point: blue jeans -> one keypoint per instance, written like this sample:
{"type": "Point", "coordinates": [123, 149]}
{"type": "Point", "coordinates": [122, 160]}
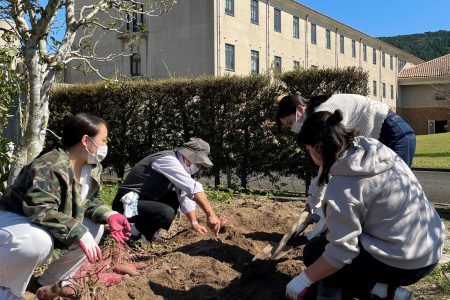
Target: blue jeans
{"type": "Point", "coordinates": [399, 136]}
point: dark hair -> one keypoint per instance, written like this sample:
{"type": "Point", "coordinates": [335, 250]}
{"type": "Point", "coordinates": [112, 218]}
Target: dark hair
{"type": "Point", "coordinates": [79, 125]}
{"type": "Point", "coordinates": [325, 130]}
{"type": "Point", "coordinates": [288, 105]}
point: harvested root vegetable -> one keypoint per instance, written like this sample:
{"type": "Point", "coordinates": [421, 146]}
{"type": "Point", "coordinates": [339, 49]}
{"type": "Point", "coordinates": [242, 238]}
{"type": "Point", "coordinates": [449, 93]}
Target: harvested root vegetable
{"type": "Point", "coordinates": [110, 279]}
{"type": "Point", "coordinates": [139, 265]}
{"type": "Point", "coordinates": [124, 269]}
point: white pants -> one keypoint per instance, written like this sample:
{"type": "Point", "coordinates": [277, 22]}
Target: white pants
{"type": "Point", "coordinates": [25, 246]}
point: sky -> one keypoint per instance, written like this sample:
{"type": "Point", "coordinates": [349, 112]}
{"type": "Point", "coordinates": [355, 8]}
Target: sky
{"type": "Point", "coordinates": [386, 17]}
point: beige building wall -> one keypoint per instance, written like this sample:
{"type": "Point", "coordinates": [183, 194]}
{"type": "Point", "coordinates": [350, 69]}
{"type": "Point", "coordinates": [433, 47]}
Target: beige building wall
{"type": "Point", "coordinates": [191, 41]}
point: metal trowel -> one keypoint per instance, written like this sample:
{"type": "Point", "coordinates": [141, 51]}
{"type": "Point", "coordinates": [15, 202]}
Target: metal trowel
{"type": "Point", "coordinates": [276, 251]}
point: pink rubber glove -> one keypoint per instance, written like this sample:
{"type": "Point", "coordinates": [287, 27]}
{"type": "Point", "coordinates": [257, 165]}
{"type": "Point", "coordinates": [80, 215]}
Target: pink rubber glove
{"type": "Point", "coordinates": [90, 247]}
{"type": "Point", "coordinates": [297, 287]}
{"type": "Point", "coordinates": [119, 227]}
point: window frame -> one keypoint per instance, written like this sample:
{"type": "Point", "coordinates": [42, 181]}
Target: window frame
{"type": "Point", "coordinates": [276, 19]}
{"type": "Point", "coordinates": [279, 68]}
{"type": "Point", "coordinates": [341, 44]}
{"type": "Point", "coordinates": [374, 92]}
{"type": "Point", "coordinates": [135, 64]}
{"type": "Point", "coordinates": [295, 27]}
{"type": "Point", "coordinates": [353, 48]}
{"type": "Point", "coordinates": [233, 58]}
{"type": "Point", "coordinates": [229, 10]}
{"type": "Point", "coordinates": [313, 34]}
{"type": "Point", "coordinates": [328, 38]}
{"type": "Point", "coordinates": [254, 12]}
{"type": "Point", "coordinates": [365, 53]}
{"type": "Point", "coordinates": [251, 62]}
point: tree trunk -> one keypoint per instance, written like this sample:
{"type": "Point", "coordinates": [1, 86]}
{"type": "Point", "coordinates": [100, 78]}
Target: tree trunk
{"type": "Point", "coordinates": [32, 141]}
{"type": "Point", "coordinates": [229, 184]}
{"type": "Point", "coordinates": [216, 177]}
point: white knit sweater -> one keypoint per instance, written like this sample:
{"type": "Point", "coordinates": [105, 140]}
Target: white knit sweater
{"type": "Point", "coordinates": [359, 112]}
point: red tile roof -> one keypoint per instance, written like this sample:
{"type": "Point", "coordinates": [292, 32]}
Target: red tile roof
{"type": "Point", "coordinates": [438, 67]}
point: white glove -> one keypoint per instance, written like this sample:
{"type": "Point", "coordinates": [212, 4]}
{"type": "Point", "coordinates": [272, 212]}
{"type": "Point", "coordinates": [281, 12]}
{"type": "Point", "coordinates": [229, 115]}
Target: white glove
{"type": "Point", "coordinates": [89, 246]}
{"type": "Point", "coordinates": [130, 202]}
{"type": "Point", "coordinates": [297, 287]}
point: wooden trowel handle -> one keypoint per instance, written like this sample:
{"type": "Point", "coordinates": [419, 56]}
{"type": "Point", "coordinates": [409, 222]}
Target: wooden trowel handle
{"type": "Point", "coordinates": [286, 237]}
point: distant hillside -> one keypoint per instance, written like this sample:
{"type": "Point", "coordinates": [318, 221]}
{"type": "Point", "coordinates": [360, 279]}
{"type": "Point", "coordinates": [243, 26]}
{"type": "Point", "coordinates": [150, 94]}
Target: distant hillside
{"type": "Point", "coordinates": [426, 45]}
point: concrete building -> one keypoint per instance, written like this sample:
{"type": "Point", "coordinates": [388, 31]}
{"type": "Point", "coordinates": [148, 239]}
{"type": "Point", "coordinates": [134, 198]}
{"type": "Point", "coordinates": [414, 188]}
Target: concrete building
{"type": "Point", "coordinates": [424, 95]}
{"type": "Point", "coordinates": [218, 37]}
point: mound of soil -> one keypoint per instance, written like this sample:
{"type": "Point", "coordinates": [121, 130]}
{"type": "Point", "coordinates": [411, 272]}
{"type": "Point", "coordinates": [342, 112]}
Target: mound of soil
{"type": "Point", "coordinates": [193, 266]}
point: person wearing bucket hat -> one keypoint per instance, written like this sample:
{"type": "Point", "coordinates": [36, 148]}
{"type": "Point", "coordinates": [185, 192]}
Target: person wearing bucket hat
{"type": "Point", "coordinates": [161, 184]}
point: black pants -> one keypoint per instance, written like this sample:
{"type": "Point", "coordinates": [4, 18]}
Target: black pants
{"type": "Point", "coordinates": [361, 275]}
{"type": "Point", "coordinates": [152, 214]}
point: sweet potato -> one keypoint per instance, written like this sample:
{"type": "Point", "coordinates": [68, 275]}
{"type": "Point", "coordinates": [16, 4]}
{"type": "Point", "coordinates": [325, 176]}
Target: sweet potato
{"type": "Point", "coordinates": [110, 279]}
{"type": "Point", "coordinates": [140, 265]}
{"type": "Point", "coordinates": [124, 269]}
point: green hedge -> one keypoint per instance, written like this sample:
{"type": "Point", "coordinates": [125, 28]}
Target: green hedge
{"type": "Point", "coordinates": [235, 114]}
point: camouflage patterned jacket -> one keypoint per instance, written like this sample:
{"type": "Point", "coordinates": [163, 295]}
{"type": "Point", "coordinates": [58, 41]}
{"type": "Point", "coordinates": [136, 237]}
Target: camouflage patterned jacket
{"type": "Point", "coordinates": [47, 193]}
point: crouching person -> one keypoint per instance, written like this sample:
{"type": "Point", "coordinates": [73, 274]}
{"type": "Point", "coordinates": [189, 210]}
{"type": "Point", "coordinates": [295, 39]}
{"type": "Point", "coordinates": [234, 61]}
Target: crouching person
{"type": "Point", "coordinates": [54, 203]}
{"type": "Point", "coordinates": [160, 184]}
{"type": "Point", "coordinates": [381, 232]}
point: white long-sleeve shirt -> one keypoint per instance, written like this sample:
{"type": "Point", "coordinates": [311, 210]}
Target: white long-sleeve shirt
{"type": "Point", "coordinates": [186, 187]}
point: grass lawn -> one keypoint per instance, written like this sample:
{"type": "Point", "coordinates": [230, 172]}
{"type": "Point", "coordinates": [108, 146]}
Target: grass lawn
{"type": "Point", "coordinates": [433, 151]}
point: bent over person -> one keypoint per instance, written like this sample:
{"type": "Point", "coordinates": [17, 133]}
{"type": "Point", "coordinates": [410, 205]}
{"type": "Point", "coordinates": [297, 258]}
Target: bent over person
{"type": "Point", "coordinates": [381, 231]}
{"type": "Point", "coordinates": [160, 184]}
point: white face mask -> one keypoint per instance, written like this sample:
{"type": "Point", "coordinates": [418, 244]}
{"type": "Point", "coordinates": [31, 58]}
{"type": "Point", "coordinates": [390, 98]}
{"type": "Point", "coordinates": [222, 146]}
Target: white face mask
{"type": "Point", "coordinates": [102, 151]}
{"type": "Point", "coordinates": [299, 119]}
{"type": "Point", "coordinates": [193, 169]}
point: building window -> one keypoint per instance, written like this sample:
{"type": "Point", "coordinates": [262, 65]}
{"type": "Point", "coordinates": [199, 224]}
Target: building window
{"type": "Point", "coordinates": [341, 44]}
{"type": "Point", "coordinates": [255, 62]}
{"type": "Point", "coordinates": [374, 87]}
{"type": "Point", "coordinates": [328, 39]}
{"type": "Point", "coordinates": [384, 90]}
{"type": "Point", "coordinates": [254, 11]}
{"type": "Point", "coordinates": [391, 63]}
{"type": "Point", "coordinates": [229, 7]}
{"type": "Point", "coordinates": [135, 64]}
{"type": "Point", "coordinates": [364, 52]}
{"type": "Point", "coordinates": [135, 21]}
{"type": "Point", "coordinates": [229, 57]}
{"type": "Point", "coordinates": [392, 91]}
{"type": "Point", "coordinates": [401, 64]}
{"type": "Point", "coordinates": [440, 96]}
{"type": "Point", "coordinates": [353, 48]}
{"type": "Point", "coordinates": [374, 56]}
{"type": "Point", "coordinates": [296, 65]}
{"type": "Point", "coordinates": [277, 63]}
{"type": "Point", "coordinates": [295, 28]}
{"type": "Point", "coordinates": [313, 34]}
{"type": "Point", "coordinates": [277, 20]}
{"type": "Point", "coordinates": [383, 60]}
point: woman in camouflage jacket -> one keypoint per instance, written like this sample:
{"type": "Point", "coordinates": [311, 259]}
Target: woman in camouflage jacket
{"type": "Point", "coordinates": [46, 207]}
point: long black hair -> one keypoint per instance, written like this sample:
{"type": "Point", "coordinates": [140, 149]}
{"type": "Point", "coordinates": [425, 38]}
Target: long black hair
{"type": "Point", "coordinates": [288, 105]}
{"type": "Point", "coordinates": [79, 125]}
{"type": "Point", "coordinates": [325, 131]}
{"type": "Point", "coordinates": [73, 130]}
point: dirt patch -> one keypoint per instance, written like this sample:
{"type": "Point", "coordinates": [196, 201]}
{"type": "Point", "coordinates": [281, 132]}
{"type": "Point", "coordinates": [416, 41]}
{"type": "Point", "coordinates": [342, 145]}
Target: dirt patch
{"type": "Point", "coordinates": [192, 266]}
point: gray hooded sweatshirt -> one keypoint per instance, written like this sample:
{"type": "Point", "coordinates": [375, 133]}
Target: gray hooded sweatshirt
{"type": "Point", "coordinates": [374, 200]}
